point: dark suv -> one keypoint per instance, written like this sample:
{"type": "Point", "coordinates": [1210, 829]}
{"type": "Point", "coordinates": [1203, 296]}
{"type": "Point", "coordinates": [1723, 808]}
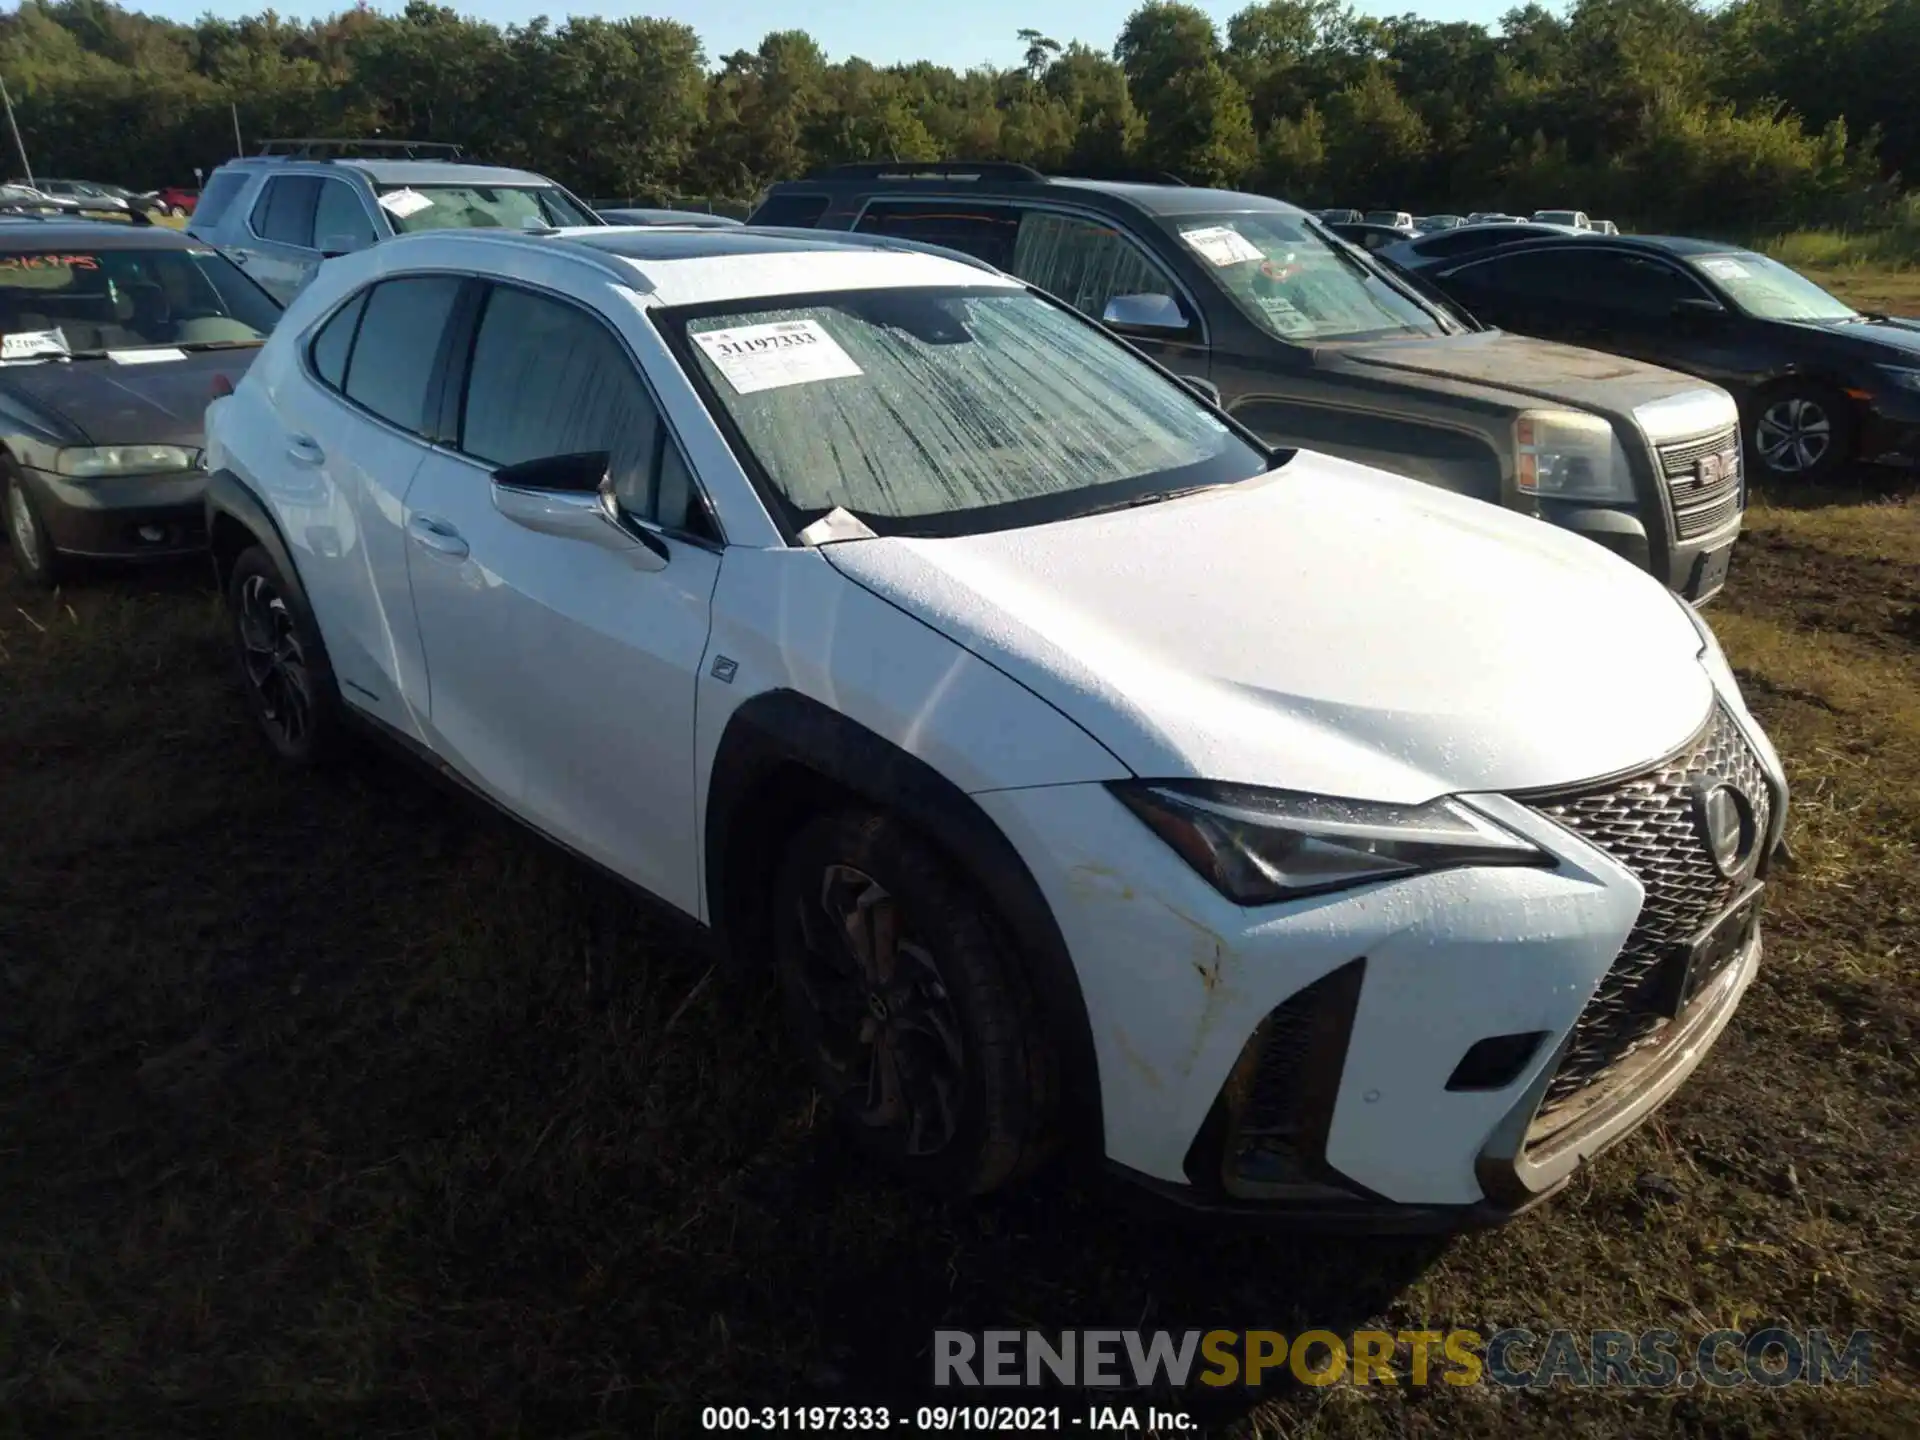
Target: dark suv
{"type": "Point", "coordinates": [1311, 343]}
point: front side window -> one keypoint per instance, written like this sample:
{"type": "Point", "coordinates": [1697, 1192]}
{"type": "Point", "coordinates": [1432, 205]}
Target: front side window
{"type": "Point", "coordinates": [390, 371]}
{"type": "Point", "coordinates": [87, 301]}
{"type": "Point", "coordinates": [1768, 290]}
{"type": "Point", "coordinates": [548, 379]}
{"type": "Point", "coordinates": [1293, 284]}
{"type": "Point", "coordinates": [1082, 262]}
{"type": "Point", "coordinates": [284, 212]}
{"type": "Point", "coordinates": [947, 411]}
{"type": "Point", "coordinates": [480, 207]}
{"type": "Point", "coordinates": [339, 219]}
{"type": "Point", "coordinates": [1542, 275]}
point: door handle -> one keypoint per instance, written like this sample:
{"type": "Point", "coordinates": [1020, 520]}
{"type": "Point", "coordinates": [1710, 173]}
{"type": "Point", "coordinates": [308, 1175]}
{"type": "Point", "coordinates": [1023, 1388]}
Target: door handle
{"type": "Point", "coordinates": [305, 450]}
{"type": "Point", "coordinates": [436, 535]}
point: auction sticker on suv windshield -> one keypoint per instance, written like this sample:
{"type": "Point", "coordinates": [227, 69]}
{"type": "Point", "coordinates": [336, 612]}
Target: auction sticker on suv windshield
{"type": "Point", "coordinates": [25, 344]}
{"type": "Point", "coordinates": [1222, 245]}
{"type": "Point", "coordinates": [404, 202]}
{"type": "Point", "coordinates": [771, 357]}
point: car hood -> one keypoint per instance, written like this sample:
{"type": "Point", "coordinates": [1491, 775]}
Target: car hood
{"type": "Point", "coordinates": [1897, 340]}
{"type": "Point", "coordinates": [1326, 627]}
{"type": "Point", "coordinates": [1540, 369]}
{"type": "Point", "coordinates": [161, 402]}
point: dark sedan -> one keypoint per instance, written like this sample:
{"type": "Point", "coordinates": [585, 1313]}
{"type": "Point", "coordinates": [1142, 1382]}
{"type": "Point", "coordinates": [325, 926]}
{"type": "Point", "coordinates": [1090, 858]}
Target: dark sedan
{"type": "Point", "coordinates": [1819, 383]}
{"type": "Point", "coordinates": [112, 339]}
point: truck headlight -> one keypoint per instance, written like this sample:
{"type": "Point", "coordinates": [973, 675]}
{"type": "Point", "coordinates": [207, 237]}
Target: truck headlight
{"type": "Point", "coordinates": [1258, 847]}
{"type": "Point", "coordinates": [1570, 455]}
{"type": "Point", "coordinates": [86, 462]}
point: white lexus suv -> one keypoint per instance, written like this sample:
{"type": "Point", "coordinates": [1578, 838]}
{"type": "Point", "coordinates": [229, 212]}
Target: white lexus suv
{"type": "Point", "coordinates": [1297, 837]}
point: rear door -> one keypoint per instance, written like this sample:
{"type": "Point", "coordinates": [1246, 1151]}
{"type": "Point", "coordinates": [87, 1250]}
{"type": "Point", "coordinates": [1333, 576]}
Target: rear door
{"type": "Point", "coordinates": [277, 246]}
{"type": "Point", "coordinates": [563, 659]}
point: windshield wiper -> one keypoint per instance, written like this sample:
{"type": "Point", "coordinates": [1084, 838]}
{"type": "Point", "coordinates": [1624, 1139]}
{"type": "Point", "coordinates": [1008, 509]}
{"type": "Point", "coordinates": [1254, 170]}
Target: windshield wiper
{"type": "Point", "coordinates": [1152, 497]}
{"type": "Point", "coordinates": [196, 346]}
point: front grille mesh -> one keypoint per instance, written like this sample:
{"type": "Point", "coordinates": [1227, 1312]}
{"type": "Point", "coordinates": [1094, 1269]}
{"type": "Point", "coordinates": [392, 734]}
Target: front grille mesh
{"type": "Point", "coordinates": [1701, 508]}
{"type": "Point", "coordinates": [1647, 824]}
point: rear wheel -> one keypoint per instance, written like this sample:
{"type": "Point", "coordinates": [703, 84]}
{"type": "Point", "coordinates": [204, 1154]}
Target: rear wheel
{"type": "Point", "coordinates": [1800, 431]}
{"type": "Point", "coordinates": [33, 553]}
{"type": "Point", "coordinates": [911, 1006]}
{"type": "Point", "coordinates": [289, 683]}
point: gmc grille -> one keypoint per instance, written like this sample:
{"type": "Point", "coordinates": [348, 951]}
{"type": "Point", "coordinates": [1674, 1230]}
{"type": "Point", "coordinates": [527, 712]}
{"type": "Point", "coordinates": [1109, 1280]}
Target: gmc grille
{"type": "Point", "coordinates": [1647, 824]}
{"type": "Point", "coordinates": [1703, 482]}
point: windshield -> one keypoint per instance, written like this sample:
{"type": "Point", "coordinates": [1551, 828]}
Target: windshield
{"type": "Point", "coordinates": [1292, 283]}
{"type": "Point", "coordinates": [66, 301]}
{"type": "Point", "coordinates": [475, 207]}
{"type": "Point", "coordinates": [946, 411]}
{"type": "Point", "coordinates": [1768, 290]}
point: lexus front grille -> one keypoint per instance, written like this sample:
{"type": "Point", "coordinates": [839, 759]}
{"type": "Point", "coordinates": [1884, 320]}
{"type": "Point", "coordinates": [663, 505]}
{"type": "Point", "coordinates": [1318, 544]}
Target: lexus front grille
{"type": "Point", "coordinates": [1647, 823]}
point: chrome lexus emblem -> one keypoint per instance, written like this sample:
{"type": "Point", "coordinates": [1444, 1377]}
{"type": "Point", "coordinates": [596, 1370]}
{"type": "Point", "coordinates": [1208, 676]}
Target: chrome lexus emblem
{"type": "Point", "coordinates": [1726, 821]}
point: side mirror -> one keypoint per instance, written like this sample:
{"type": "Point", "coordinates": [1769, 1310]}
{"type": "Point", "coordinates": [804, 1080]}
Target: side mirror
{"type": "Point", "coordinates": [1697, 307]}
{"type": "Point", "coordinates": [579, 474]}
{"type": "Point", "coordinates": [572, 496]}
{"type": "Point", "coordinates": [332, 246]}
{"type": "Point", "coordinates": [1144, 312]}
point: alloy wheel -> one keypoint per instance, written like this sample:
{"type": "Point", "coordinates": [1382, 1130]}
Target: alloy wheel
{"type": "Point", "coordinates": [26, 540]}
{"type": "Point", "coordinates": [1793, 435]}
{"type": "Point", "coordinates": [888, 1027]}
{"type": "Point", "coordinates": [274, 662]}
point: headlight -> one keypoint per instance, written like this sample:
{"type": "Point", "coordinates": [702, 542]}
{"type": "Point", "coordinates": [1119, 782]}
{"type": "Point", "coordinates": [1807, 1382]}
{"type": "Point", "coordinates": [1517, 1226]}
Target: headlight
{"type": "Point", "coordinates": [87, 462]}
{"type": "Point", "coordinates": [1903, 379]}
{"type": "Point", "coordinates": [1257, 847]}
{"type": "Point", "coordinates": [1569, 455]}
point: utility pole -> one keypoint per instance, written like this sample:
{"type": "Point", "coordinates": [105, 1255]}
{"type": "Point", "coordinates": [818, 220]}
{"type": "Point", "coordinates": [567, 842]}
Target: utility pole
{"type": "Point", "coordinates": [239, 150]}
{"type": "Point", "coordinates": [18, 145]}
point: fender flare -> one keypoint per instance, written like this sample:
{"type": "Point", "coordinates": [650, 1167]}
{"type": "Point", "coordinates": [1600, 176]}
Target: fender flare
{"type": "Point", "coordinates": [781, 732]}
{"type": "Point", "coordinates": [228, 497]}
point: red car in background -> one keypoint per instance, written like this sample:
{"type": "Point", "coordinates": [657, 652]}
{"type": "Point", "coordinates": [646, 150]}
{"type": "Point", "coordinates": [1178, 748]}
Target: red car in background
{"type": "Point", "coordinates": [176, 199]}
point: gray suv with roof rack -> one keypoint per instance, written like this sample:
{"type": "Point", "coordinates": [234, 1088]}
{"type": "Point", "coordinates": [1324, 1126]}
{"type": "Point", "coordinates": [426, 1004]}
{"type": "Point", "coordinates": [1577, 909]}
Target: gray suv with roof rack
{"type": "Point", "coordinates": [279, 213]}
{"type": "Point", "coordinates": [1311, 343]}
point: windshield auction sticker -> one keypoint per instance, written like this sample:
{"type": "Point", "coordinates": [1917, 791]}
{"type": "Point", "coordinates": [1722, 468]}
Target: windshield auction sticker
{"type": "Point", "coordinates": [404, 202]}
{"type": "Point", "coordinates": [26, 344]}
{"type": "Point", "coordinates": [1222, 245]}
{"type": "Point", "coordinates": [772, 357]}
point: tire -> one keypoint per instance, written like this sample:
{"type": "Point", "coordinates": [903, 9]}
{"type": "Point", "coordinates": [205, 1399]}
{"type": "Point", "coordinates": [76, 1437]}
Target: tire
{"type": "Point", "coordinates": [950, 1020]}
{"type": "Point", "coordinates": [283, 665]}
{"type": "Point", "coordinates": [33, 553]}
{"type": "Point", "coordinates": [1800, 432]}
{"type": "Point", "coordinates": [177, 211]}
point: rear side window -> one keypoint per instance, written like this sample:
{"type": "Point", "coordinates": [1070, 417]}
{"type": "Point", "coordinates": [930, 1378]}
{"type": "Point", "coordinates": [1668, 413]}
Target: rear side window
{"type": "Point", "coordinates": [1465, 242]}
{"type": "Point", "coordinates": [335, 341]}
{"type": "Point", "coordinates": [390, 370]}
{"type": "Point", "coordinates": [1540, 275]}
{"type": "Point", "coordinates": [987, 232]}
{"type": "Point", "coordinates": [223, 188]}
{"type": "Point", "coordinates": [284, 211]}
{"type": "Point", "coordinates": [798, 210]}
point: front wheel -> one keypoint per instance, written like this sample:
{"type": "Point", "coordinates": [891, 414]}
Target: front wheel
{"type": "Point", "coordinates": [283, 666]}
{"type": "Point", "coordinates": [1800, 431]}
{"type": "Point", "coordinates": [33, 553]}
{"type": "Point", "coordinates": [911, 1006]}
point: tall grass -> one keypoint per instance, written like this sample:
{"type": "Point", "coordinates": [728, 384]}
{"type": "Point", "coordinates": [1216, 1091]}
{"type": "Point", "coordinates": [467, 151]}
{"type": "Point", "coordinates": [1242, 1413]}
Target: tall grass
{"type": "Point", "coordinates": [1892, 246]}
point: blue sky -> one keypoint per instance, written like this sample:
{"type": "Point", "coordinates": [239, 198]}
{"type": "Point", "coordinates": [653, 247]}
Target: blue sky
{"type": "Point", "coordinates": [971, 33]}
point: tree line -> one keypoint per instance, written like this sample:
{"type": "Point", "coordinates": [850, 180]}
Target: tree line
{"type": "Point", "coordinates": [1653, 112]}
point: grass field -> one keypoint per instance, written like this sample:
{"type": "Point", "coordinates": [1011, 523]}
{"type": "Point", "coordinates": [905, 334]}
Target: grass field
{"type": "Point", "coordinates": [344, 1101]}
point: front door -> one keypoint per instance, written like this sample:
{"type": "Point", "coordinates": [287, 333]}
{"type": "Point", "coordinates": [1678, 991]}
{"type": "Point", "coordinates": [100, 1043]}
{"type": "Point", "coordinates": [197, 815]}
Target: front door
{"type": "Point", "coordinates": [562, 665]}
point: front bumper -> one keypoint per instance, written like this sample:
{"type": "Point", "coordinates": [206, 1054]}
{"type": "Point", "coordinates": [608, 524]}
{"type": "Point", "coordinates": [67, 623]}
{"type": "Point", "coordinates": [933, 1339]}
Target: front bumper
{"type": "Point", "coordinates": [123, 516]}
{"type": "Point", "coordinates": [1415, 977]}
{"type": "Point", "coordinates": [1890, 430]}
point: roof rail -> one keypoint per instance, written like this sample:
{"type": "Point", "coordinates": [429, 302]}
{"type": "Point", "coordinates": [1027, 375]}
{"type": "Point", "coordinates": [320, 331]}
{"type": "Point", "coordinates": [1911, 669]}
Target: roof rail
{"type": "Point", "coordinates": [930, 170]}
{"type": "Point", "coordinates": [335, 149]}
